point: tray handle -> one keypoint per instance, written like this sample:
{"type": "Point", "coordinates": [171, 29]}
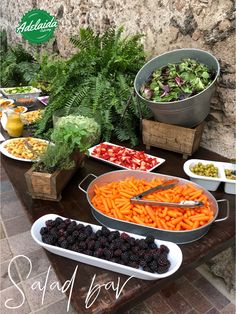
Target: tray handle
{"type": "Point", "coordinates": [227, 213]}
{"type": "Point", "coordinates": [88, 175]}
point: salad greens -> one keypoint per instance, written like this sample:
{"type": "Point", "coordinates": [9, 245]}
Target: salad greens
{"type": "Point", "coordinates": [175, 82]}
{"type": "Point", "coordinates": [20, 90]}
{"type": "Point", "coordinates": [77, 132]}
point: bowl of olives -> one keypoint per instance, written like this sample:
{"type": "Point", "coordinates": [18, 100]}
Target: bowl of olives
{"type": "Point", "coordinates": [210, 174]}
{"type": "Point", "coordinates": [204, 172]}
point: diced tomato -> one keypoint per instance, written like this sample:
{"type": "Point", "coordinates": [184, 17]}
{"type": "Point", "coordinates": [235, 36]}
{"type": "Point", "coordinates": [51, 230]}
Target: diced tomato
{"type": "Point", "coordinates": [132, 159]}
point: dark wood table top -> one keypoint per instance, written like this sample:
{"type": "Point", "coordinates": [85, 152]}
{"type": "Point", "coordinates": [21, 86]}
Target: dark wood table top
{"type": "Point", "coordinates": [74, 205]}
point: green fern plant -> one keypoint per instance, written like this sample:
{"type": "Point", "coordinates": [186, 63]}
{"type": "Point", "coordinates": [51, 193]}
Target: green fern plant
{"type": "Point", "coordinates": [97, 81]}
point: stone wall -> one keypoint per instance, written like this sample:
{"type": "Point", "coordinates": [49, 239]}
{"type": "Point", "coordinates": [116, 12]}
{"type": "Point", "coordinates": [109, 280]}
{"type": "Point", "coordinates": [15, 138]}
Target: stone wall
{"type": "Point", "coordinates": [167, 24]}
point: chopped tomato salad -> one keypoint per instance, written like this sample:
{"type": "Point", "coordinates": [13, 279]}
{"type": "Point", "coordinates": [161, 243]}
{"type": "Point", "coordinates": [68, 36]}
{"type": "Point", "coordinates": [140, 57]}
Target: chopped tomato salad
{"type": "Point", "coordinates": [126, 157]}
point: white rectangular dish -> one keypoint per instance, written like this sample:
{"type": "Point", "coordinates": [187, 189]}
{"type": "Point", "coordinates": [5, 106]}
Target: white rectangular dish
{"type": "Point", "coordinates": [211, 183]}
{"type": "Point", "coordinates": [175, 254]}
{"type": "Point", "coordinates": [158, 159]}
{"type": "Point", "coordinates": [35, 92]}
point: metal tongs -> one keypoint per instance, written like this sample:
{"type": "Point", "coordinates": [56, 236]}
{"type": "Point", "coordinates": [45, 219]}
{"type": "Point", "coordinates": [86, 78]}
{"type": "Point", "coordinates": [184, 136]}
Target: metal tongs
{"type": "Point", "coordinates": [165, 186]}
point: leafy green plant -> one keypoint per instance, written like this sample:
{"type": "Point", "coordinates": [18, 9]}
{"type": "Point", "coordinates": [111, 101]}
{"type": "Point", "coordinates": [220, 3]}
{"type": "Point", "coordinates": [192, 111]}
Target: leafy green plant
{"type": "Point", "coordinates": [97, 81]}
{"type": "Point", "coordinates": [56, 157]}
{"type": "Point", "coordinates": [177, 81]}
{"type": "Point", "coordinates": [18, 67]}
{"type": "Point", "coordinates": [70, 134]}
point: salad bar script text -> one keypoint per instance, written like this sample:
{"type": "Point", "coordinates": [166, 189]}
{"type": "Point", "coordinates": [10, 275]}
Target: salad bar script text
{"type": "Point", "coordinates": [91, 297]}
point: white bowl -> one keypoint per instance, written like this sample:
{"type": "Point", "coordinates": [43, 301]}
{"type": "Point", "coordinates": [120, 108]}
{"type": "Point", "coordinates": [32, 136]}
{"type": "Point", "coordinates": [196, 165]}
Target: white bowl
{"type": "Point", "coordinates": [230, 185]}
{"type": "Point", "coordinates": [175, 255]}
{"type": "Point", "coordinates": [209, 183]}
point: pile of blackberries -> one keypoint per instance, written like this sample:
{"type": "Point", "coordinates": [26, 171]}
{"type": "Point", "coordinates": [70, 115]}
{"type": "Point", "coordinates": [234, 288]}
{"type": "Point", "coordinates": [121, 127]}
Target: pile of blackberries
{"type": "Point", "coordinates": [109, 245]}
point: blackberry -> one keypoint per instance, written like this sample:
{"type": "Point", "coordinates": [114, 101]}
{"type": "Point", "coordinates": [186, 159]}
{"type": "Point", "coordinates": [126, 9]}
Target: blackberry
{"type": "Point", "coordinates": [148, 257]}
{"type": "Point", "coordinates": [43, 230]}
{"type": "Point", "coordinates": [143, 263]}
{"type": "Point", "coordinates": [99, 233]}
{"type": "Point", "coordinates": [117, 243]}
{"type": "Point", "coordinates": [141, 253]}
{"type": "Point", "coordinates": [103, 241]}
{"type": "Point", "coordinates": [146, 268]}
{"type": "Point", "coordinates": [134, 258]}
{"type": "Point", "coordinates": [79, 227]}
{"type": "Point", "coordinates": [133, 264]}
{"type": "Point", "coordinates": [150, 239]}
{"type": "Point", "coordinates": [61, 239]}
{"type": "Point", "coordinates": [113, 235]}
{"type": "Point", "coordinates": [131, 241]}
{"type": "Point", "coordinates": [93, 236]}
{"type": "Point", "coordinates": [163, 269]}
{"type": "Point", "coordinates": [50, 239]}
{"type": "Point", "coordinates": [117, 253]}
{"type": "Point", "coordinates": [58, 221]}
{"type": "Point", "coordinates": [61, 232]}
{"type": "Point", "coordinates": [112, 246]}
{"type": "Point", "coordinates": [98, 253]}
{"type": "Point", "coordinates": [152, 246]}
{"type": "Point", "coordinates": [164, 248]}
{"type": "Point", "coordinates": [61, 226]}
{"type": "Point", "coordinates": [71, 239]}
{"type": "Point", "coordinates": [142, 244]}
{"type": "Point", "coordinates": [89, 252]}
{"type": "Point", "coordinates": [135, 249]}
{"type": "Point", "coordinates": [105, 231]}
{"type": "Point", "coordinates": [88, 230]}
{"type": "Point", "coordinates": [67, 221]}
{"type": "Point", "coordinates": [154, 266]}
{"type": "Point", "coordinates": [124, 248]}
{"type": "Point", "coordinates": [75, 247]}
{"type": "Point", "coordinates": [107, 253]}
{"type": "Point", "coordinates": [124, 236]}
{"type": "Point", "coordinates": [91, 244]}
{"type": "Point", "coordinates": [162, 261]}
{"type": "Point", "coordinates": [49, 223]}
{"type": "Point", "coordinates": [75, 234]}
{"type": "Point", "coordinates": [82, 236]}
{"type": "Point", "coordinates": [125, 257]}
{"type": "Point", "coordinates": [82, 245]}
{"type": "Point", "coordinates": [64, 244]}
{"type": "Point", "coordinates": [97, 245]}
{"type": "Point", "coordinates": [53, 231]}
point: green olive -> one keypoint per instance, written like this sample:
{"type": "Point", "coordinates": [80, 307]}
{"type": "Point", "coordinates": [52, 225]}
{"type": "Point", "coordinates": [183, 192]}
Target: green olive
{"type": "Point", "coordinates": [208, 170]}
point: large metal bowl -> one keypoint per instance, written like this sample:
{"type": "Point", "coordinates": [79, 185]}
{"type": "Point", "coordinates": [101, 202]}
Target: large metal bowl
{"type": "Point", "coordinates": [178, 237]}
{"type": "Point", "coordinates": [190, 111]}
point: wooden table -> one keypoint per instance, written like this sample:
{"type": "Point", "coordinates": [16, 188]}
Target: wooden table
{"type": "Point", "coordinates": [74, 205]}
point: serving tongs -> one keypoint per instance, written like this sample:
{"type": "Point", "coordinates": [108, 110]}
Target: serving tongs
{"type": "Point", "coordinates": [164, 186]}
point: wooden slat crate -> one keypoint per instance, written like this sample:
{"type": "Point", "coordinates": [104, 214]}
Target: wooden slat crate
{"type": "Point", "coordinates": [49, 186]}
{"type": "Point", "coordinates": [172, 137]}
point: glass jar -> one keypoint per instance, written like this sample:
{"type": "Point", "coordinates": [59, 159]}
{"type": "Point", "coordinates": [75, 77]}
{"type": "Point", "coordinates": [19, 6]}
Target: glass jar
{"type": "Point", "coordinates": [14, 124]}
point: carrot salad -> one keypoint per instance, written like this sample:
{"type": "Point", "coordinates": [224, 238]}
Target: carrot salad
{"type": "Point", "coordinates": [113, 200]}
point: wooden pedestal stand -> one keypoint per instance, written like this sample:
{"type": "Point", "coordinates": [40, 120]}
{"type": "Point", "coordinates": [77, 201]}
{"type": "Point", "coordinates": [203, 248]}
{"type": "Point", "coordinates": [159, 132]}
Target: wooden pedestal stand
{"type": "Point", "coordinates": [172, 137]}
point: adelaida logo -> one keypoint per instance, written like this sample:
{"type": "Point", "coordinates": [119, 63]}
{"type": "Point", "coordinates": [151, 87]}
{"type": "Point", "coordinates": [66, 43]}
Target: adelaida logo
{"type": "Point", "coordinates": [37, 26]}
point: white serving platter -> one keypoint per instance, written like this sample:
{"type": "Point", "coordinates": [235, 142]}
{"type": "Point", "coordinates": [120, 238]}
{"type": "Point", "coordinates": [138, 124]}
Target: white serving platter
{"type": "Point", "coordinates": [211, 183]}
{"type": "Point", "coordinates": [159, 160]}
{"type": "Point", "coordinates": [6, 153]}
{"type": "Point", "coordinates": [175, 254]}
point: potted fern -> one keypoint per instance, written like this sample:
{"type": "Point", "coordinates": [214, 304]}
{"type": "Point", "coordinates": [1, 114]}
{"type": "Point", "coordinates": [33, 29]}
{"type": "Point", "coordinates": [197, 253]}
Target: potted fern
{"type": "Point", "coordinates": [71, 137]}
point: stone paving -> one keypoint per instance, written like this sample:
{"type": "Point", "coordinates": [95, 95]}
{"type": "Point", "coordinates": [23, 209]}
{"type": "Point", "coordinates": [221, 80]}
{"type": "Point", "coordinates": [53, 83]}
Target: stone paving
{"type": "Point", "coordinates": [190, 294]}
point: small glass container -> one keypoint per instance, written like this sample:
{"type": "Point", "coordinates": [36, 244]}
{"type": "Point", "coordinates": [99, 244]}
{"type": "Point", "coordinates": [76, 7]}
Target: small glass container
{"type": "Point", "coordinates": [14, 124]}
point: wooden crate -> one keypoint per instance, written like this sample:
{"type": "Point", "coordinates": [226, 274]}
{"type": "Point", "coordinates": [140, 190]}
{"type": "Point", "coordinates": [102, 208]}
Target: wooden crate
{"type": "Point", "coordinates": [49, 186]}
{"type": "Point", "coordinates": [172, 137]}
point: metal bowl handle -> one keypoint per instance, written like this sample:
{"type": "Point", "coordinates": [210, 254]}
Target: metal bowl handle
{"type": "Point", "coordinates": [88, 175]}
{"type": "Point", "coordinates": [227, 207]}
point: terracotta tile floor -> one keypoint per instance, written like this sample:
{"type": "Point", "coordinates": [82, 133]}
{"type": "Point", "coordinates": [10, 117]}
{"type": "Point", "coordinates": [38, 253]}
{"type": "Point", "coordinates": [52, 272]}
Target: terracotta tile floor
{"type": "Point", "coordinates": [190, 294]}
